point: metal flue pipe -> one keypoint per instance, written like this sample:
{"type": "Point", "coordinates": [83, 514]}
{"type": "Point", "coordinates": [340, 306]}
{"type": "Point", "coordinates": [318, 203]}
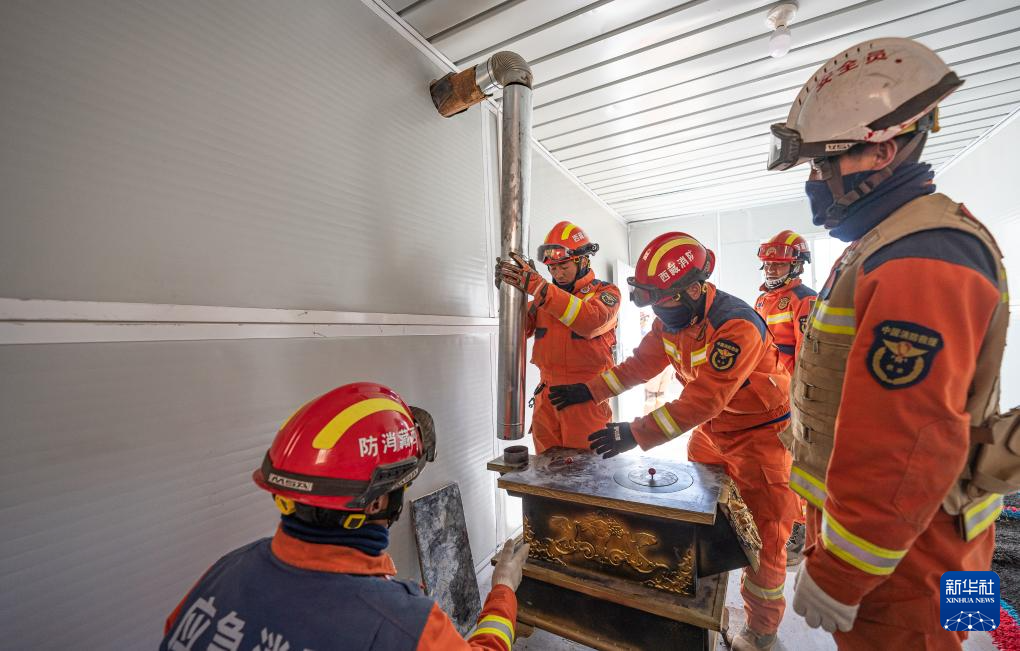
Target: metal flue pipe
{"type": "Point", "coordinates": [452, 94]}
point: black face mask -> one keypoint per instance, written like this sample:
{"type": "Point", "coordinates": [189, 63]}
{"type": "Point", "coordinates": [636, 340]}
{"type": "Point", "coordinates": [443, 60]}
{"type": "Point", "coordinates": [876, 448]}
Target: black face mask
{"type": "Point", "coordinates": [909, 181]}
{"type": "Point", "coordinates": [674, 318]}
{"type": "Point", "coordinates": [681, 316]}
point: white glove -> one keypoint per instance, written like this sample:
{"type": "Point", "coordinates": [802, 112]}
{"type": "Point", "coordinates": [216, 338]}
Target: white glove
{"type": "Point", "coordinates": [818, 608]}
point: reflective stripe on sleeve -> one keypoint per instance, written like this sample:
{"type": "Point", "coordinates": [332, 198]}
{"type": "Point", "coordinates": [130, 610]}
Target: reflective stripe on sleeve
{"type": "Point", "coordinates": [834, 320]}
{"type": "Point", "coordinates": [865, 556]}
{"type": "Point", "coordinates": [810, 488]}
{"type": "Point", "coordinates": [781, 317]}
{"type": "Point", "coordinates": [671, 350]}
{"type": "Point", "coordinates": [981, 516]}
{"type": "Point", "coordinates": [613, 382]}
{"type": "Point", "coordinates": [768, 594]}
{"type": "Point", "coordinates": [571, 312]}
{"type": "Point", "coordinates": [666, 423]}
{"type": "Point", "coordinates": [698, 356]}
{"type": "Point", "coordinates": [498, 626]}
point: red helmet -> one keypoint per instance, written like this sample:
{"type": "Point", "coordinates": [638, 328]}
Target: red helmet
{"type": "Point", "coordinates": [787, 246]}
{"type": "Point", "coordinates": [347, 447]}
{"type": "Point", "coordinates": [668, 265]}
{"type": "Point", "coordinates": [565, 242]}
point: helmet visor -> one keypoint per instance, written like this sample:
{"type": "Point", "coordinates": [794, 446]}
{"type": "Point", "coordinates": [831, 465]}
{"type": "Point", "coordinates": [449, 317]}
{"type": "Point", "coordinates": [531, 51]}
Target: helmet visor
{"type": "Point", "coordinates": [551, 253]}
{"type": "Point", "coordinates": [772, 252]}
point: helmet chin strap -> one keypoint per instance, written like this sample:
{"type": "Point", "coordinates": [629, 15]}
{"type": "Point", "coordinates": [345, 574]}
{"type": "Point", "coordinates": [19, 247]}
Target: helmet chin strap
{"type": "Point", "coordinates": [583, 264]}
{"type": "Point", "coordinates": [839, 209]}
{"type": "Point", "coordinates": [695, 305]}
{"type": "Point", "coordinates": [796, 269]}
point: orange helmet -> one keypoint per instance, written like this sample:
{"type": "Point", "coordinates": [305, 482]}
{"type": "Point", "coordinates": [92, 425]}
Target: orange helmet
{"type": "Point", "coordinates": [345, 448]}
{"type": "Point", "coordinates": [787, 246]}
{"type": "Point", "coordinates": [566, 241]}
{"type": "Point", "coordinates": [667, 266]}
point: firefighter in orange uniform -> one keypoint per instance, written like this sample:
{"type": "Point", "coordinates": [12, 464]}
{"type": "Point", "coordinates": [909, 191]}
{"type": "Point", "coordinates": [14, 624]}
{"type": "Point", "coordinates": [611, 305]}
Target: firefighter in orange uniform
{"type": "Point", "coordinates": [786, 302]}
{"type": "Point", "coordinates": [786, 306]}
{"type": "Point", "coordinates": [573, 320]}
{"type": "Point", "coordinates": [896, 389]}
{"type": "Point", "coordinates": [736, 393]}
{"type": "Point", "coordinates": [337, 471]}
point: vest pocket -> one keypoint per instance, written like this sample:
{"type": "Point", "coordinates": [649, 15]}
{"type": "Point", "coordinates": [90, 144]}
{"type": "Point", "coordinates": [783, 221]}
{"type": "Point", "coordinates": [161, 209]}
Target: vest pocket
{"type": "Point", "coordinates": [811, 448]}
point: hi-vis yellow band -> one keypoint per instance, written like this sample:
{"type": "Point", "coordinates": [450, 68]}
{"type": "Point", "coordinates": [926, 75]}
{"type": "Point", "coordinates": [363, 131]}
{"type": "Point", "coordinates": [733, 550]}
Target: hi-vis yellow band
{"type": "Point", "coordinates": [980, 516]}
{"type": "Point", "coordinates": [567, 231]}
{"type": "Point", "coordinates": [781, 317]}
{"type": "Point", "coordinates": [665, 248]}
{"type": "Point", "coordinates": [791, 238]}
{"type": "Point", "coordinates": [807, 486]}
{"type": "Point", "coordinates": [671, 351]}
{"type": "Point", "coordinates": [666, 423]}
{"type": "Point", "coordinates": [768, 594]}
{"type": "Point", "coordinates": [501, 627]}
{"type": "Point", "coordinates": [699, 356]}
{"type": "Point", "coordinates": [571, 311]}
{"type": "Point", "coordinates": [613, 382]}
{"type": "Point", "coordinates": [865, 556]}
{"type": "Point", "coordinates": [834, 320]}
{"type": "Point", "coordinates": [342, 422]}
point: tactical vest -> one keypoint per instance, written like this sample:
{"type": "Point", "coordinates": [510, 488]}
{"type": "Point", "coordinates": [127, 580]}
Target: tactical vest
{"type": "Point", "coordinates": [993, 466]}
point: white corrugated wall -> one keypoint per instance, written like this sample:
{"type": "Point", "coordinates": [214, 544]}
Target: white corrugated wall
{"type": "Point", "coordinates": [282, 164]}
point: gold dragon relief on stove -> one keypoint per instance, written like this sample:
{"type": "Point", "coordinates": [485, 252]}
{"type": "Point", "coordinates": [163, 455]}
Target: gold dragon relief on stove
{"type": "Point", "coordinates": [606, 541]}
{"type": "Point", "coordinates": [742, 521]}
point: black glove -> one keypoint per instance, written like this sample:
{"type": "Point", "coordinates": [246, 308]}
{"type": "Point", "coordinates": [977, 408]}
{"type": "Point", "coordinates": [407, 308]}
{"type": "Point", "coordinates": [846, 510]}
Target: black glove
{"type": "Point", "coordinates": [613, 440]}
{"type": "Point", "coordinates": [564, 395]}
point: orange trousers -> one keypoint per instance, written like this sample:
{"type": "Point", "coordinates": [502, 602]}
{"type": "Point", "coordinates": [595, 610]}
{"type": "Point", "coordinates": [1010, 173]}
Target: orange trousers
{"type": "Point", "coordinates": [569, 428]}
{"type": "Point", "coordinates": [902, 613]}
{"type": "Point", "coordinates": [760, 467]}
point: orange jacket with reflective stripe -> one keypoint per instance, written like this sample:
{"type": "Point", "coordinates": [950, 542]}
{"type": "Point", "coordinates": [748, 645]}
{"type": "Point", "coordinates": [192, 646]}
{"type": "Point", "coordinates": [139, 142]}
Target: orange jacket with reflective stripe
{"type": "Point", "coordinates": [921, 309]}
{"type": "Point", "coordinates": [574, 332]}
{"type": "Point", "coordinates": [495, 629]}
{"type": "Point", "coordinates": [786, 311]}
{"type": "Point", "coordinates": [729, 367]}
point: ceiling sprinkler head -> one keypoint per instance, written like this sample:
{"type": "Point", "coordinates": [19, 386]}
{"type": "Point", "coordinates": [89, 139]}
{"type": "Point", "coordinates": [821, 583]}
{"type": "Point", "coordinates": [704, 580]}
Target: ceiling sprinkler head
{"type": "Point", "coordinates": [779, 19]}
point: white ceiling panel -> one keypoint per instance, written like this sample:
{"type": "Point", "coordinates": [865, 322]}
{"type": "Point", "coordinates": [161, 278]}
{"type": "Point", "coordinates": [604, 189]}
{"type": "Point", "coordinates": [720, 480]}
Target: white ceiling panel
{"type": "Point", "coordinates": [663, 107]}
{"type": "Point", "coordinates": [573, 32]}
{"type": "Point", "coordinates": [504, 25]}
{"type": "Point", "coordinates": [432, 18]}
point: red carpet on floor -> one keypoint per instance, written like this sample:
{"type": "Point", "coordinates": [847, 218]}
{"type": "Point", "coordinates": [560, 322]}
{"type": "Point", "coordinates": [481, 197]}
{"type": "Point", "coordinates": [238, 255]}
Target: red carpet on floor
{"type": "Point", "coordinates": [1005, 562]}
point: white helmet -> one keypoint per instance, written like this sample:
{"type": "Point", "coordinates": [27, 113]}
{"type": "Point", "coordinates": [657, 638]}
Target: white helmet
{"type": "Point", "coordinates": [870, 92]}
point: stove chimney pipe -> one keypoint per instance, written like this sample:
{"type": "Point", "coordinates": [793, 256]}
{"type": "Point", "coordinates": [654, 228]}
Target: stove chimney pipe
{"type": "Point", "coordinates": [454, 93]}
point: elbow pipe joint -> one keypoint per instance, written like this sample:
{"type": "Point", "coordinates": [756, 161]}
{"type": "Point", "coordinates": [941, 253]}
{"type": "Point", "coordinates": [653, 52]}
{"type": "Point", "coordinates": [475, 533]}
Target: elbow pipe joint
{"type": "Point", "coordinates": [458, 91]}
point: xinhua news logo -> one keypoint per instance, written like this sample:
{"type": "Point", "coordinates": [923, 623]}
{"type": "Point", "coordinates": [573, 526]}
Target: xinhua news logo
{"type": "Point", "coordinates": [970, 601]}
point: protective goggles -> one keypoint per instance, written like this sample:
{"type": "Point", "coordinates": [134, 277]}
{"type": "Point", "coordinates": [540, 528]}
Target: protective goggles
{"type": "Point", "coordinates": [554, 253]}
{"type": "Point", "coordinates": [771, 252]}
{"type": "Point", "coordinates": [645, 295]}
{"type": "Point", "coordinates": [788, 149]}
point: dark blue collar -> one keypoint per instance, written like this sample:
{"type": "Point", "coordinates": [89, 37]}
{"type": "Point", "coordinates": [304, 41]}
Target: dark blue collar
{"type": "Point", "coordinates": [371, 539]}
